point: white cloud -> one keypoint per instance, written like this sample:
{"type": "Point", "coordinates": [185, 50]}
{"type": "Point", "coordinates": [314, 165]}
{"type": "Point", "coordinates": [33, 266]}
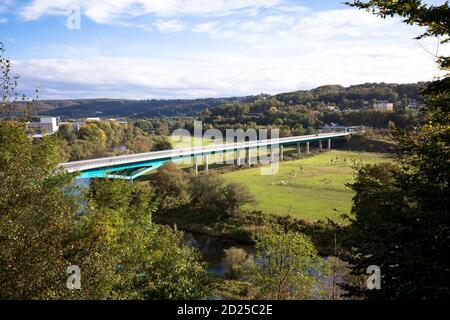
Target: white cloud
{"type": "Point", "coordinates": [206, 27]}
{"type": "Point", "coordinates": [265, 46]}
{"type": "Point", "coordinates": [3, 20]}
{"type": "Point", "coordinates": [214, 74]}
{"type": "Point", "coordinates": [106, 11]}
{"type": "Point", "coordinates": [310, 26]}
{"type": "Point", "coordinates": [172, 25]}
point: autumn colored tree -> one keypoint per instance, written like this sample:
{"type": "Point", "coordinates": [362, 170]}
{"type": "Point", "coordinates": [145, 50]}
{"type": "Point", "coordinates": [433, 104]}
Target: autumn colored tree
{"type": "Point", "coordinates": [48, 224]}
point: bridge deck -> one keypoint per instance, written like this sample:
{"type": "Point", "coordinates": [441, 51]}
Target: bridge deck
{"type": "Point", "coordinates": [84, 165]}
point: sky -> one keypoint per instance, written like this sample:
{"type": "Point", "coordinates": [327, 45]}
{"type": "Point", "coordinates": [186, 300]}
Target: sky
{"type": "Point", "coordinates": [144, 49]}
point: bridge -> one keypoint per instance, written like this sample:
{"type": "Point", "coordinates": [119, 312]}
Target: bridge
{"type": "Point", "coordinates": [129, 167]}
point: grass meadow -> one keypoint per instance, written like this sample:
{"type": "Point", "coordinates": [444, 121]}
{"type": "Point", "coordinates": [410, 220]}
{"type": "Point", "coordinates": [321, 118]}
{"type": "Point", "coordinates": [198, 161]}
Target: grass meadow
{"type": "Point", "coordinates": [311, 188]}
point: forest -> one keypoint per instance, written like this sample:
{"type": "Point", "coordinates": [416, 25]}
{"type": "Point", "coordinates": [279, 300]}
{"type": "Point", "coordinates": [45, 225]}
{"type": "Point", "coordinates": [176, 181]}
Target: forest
{"type": "Point", "coordinates": [353, 97]}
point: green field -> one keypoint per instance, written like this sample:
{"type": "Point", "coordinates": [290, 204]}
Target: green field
{"type": "Point", "coordinates": [179, 142]}
{"type": "Point", "coordinates": [309, 188]}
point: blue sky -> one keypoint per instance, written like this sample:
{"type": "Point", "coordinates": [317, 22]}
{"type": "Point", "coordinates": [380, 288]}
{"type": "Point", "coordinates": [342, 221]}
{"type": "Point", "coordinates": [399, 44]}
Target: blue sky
{"type": "Point", "coordinates": [205, 48]}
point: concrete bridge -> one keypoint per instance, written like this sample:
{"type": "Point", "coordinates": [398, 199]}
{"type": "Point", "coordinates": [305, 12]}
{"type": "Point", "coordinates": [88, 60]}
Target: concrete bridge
{"type": "Point", "coordinates": [130, 167]}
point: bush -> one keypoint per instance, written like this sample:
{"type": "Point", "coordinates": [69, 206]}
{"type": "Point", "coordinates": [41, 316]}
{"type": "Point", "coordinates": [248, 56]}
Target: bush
{"type": "Point", "coordinates": [234, 262]}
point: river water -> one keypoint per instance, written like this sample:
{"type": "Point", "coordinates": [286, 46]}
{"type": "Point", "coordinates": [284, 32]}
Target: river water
{"type": "Point", "coordinates": [213, 250]}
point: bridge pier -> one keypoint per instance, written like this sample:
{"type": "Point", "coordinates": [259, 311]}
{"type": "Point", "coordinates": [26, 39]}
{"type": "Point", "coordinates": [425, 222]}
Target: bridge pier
{"type": "Point", "coordinates": [307, 147]}
{"type": "Point", "coordinates": [238, 157]}
{"type": "Point", "coordinates": [196, 165]}
{"type": "Point", "coordinates": [329, 144]}
{"type": "Point", "coordinates": [248, 157]}
{"type": "Point", "coordinates": [299, 151]}
{"type": "Point", "coordinates": [281, 152]}
{"type": "Point", "coordinates": [320, 145]}
{"type": "Point", "coordinates": [206, 162]}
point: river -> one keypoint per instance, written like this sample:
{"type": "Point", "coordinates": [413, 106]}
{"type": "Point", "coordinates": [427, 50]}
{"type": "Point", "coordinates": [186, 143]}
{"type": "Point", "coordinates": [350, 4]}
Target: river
{"type": "Point", "coordinates": [213, 250]}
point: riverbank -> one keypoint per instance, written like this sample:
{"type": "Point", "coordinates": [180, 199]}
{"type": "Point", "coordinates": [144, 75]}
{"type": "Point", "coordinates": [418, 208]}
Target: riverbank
{"type": "Point", "coordinates": [243, 226]}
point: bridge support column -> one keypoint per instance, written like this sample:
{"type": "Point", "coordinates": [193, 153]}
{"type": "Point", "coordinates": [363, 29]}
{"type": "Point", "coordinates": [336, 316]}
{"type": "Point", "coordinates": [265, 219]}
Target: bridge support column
{"type": "Point", "coordinates": [272, 154]}
{"type": "Point", "coordinates": [196, 165]}
{"type": "Point", "coordinates": [248, 157]}
{"type": "Point", "coordinates": [320, 145]}
{"type": "Point", "coordinates": [238, 157]}
{"type": "Point", "coordinates": [299, 151]}
{"type": "Point", "coordinates": [329, 144]}
{"type": "Point", "coordinates": [206, 162]}
{"type": "Point", "coordinates": [307, 147]}
{"type": "Point", "coordinates": [281, 153]}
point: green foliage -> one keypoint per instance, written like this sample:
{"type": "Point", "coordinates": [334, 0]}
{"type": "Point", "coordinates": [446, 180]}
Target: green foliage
{"type": "Point", "coordinates": [162, 143]}
{"type": "Point", "coordinates": [207, 196]}
{"type": "Point", "coordinates": [211, 194]}
{"type": "Point", "coordinates": [401, 213]}
{"type": "Point", "coordinates": [171, 184]}
{"type": "Point", "coordinates": [47, 224]}
{"type": "Point", "coordinates": [434, 18]}
{"type": "Point", "coordinates": [121, 253]}
{"type": "Point", "coordinates": [37, 231]}
{"type": "Point", "coordinates": [289, 265]}
{"type": "Point", "coordinates": [66, 132]}
{"type": "Point", "coordinates": [92, 133]}
{"type": "Point", "coordinates": [107, 138]}
{"type": "Point", "coordinates": [34, 241]}
{"type": "Point", "coordinates": [151, 261]}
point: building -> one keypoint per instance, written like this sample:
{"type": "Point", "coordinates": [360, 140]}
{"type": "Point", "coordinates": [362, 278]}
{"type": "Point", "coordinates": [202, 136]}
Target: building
{"type": "Point", "coordinates": [383, 106]}
{"type": "Point", "coordinates": [45, 125]}
{"type": "Point", "coordinates": [414, 104]}
{"type": "Point", "coordinates": [92, 119]}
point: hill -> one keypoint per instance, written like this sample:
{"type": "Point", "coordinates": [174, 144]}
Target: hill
{"type": "Point", "coordinates": [353, 97]}
{"type": "Point", "coordinates": [129, 108]}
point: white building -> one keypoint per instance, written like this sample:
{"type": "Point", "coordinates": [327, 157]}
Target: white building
{"type": "Point", "coordinates": [46, 125]}
{"type": "Point", "coordinates": [383, 106]}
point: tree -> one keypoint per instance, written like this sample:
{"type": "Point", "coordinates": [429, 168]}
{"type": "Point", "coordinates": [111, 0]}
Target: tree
{"type": "Point", "coordinates": [140, 144]}
{"type": "Point", "coordinates": [212, 195]}
{"type": "Point", "coordinates": [401, 219]}
{"type": "Point", "coordinates": [162, 143]}
{"type": "Point", "coordinates": [149, 261]}
{"type": "Point", "coordinates": [290, 265]}
{"type": "Point", "coordinates": [48, 224]}
{"type": "Point", "coordinates": [66, 132]}
{"type": "Point", "coordinates": [34, 241]}
{"type": "Point", "coordinates": [37, 230]}
{"type": "Point", "coordinates": [171, 185]}
{"type": "Point", "coordinates": [234, 261]}
{"type": "Point", "coordinates": [95, 135]}
{"type": "Point", "coordinates": [11, 100]}
{"type": "Point", "coordinates": [236, 195]}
